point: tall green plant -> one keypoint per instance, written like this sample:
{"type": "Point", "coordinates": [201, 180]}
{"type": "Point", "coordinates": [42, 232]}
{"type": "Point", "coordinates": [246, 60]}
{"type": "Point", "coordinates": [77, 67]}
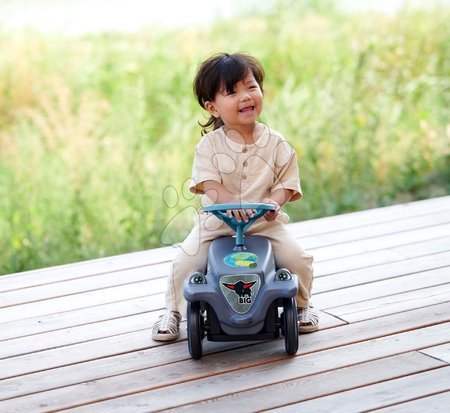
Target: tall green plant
{"type": "Point", "coordinates": [97, 132]}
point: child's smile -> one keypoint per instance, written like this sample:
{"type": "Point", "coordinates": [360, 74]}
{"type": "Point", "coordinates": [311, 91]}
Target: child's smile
{"type": "Point", "coordinates": [247, 110]}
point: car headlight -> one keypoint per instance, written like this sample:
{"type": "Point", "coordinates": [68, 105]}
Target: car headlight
{"type": "Point", "coordinates": [283, 275]}
{"type": "Point", "coordinates": [197, 278]}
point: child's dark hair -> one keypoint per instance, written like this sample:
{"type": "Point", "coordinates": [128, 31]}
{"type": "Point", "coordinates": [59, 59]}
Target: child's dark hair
{"type": "Point", "coordinates": [223, 70]}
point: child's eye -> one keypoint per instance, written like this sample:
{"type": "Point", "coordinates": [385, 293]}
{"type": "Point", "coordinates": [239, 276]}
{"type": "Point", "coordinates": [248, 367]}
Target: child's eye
{"type": "Point", "coordinates": [228, 92]}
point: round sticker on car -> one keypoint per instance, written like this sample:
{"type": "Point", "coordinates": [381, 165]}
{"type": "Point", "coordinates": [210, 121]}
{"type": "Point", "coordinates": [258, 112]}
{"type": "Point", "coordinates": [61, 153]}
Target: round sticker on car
{"type": "Point", "coordinates": [241, 260]}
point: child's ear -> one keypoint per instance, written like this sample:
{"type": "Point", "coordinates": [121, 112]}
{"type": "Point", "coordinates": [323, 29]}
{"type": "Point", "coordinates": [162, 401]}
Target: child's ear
{"type": "Point", "coordinates": [209, 106]}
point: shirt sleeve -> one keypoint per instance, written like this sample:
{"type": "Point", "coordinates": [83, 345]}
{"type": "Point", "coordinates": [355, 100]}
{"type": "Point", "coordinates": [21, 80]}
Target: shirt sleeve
{"type": "Point", "coordinates": [286, 170]}
{"type": "Point", "coordinates": [203, 168]}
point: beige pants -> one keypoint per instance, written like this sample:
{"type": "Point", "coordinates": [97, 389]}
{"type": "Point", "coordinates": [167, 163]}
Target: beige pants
{"type": "Point", "coordinates": [193, 253]}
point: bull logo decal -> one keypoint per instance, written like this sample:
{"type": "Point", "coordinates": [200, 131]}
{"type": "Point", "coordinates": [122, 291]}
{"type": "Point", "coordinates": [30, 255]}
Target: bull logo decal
{"type": "Point", "coordinates": [243, 290]}
{"type": "Point", "coordinates": [240, 290]}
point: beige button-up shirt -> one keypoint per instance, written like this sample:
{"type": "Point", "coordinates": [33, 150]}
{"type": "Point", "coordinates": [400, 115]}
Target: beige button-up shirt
{"type": "Point", "coordinates": [249, 172]}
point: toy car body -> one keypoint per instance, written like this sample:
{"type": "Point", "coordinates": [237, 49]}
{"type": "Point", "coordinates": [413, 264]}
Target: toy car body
{"type": "Point", "coordinates": [242, 296]}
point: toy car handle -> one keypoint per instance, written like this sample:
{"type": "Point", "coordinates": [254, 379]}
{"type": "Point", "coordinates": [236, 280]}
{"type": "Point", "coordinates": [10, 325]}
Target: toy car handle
{"type": "Point", "coordinates": [219, 210]}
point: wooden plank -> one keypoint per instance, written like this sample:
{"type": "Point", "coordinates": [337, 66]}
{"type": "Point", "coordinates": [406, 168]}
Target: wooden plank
{"type": "Point", "coordinates": [439, 352]}
{"type": "Point", "coordinates": [419, 249]}
{"type": "Point", "coordinates": [391, 304]}
{"type": "Point", "coordinates": [361, 293]}
{"type": "Point", "coordinates": [83, 318]}
{"type": "Point", "coordinates": [147, 354]}
{"type": "Point", "coordinates": [437, 403]}
{"type": "Point", "coordinates": [82, 300]}
{"type": "Point", "coordinates": [378, 395]}
{"type": "Point", "coordinates": [372, 216]}
{"type": "Point", "coordinates": [219, 376]}
{"type": "Point", "coordinates": [89, 350]}
{"type": "Point", "coordinates": [76, 285]}
{"type": "Point", "coordinates": [382, 256]}
{"type": "Point", "coordinates": [95, 331]}
{"type": "Point", "coordinates": [166, 254]}
{"type": "Point", "coordinates": [84, 284]}
{"type": "Point", "coordinates": [88, 317]}
{"type": "Point", "coordinates": [80, 334]}
{"type": "Point", "coordinates": [88, 268]}
{"type": "Point", "coordinates": [127, 276]}
{"type": "Point", "coordinates": [297, 390]}
{"type": "Point", "coordinates": [74, 318]}
{"type": "Point", "coordinates": [123, 276]}
{"type": "Point", "coordinates": [382, 288]}
{"type": "Point", "coordinates": [375, 230]}
{"type": "Point", "coordinates": [71, 287]}
{"type": "Point", "coordinates": [381, 242]}
{"type": "Point", "coordinates": [53, 288]}
{"type": "Point", "coordinates": [158, 285]}
{"type": "Point", "coordinates": [110, 352]}
{"type": "Point", "coordinates": [103, 312]}
{"type": "Point", "coordinates": [381, 272]}
{"type": "Point", "coordinates": [119, 293]}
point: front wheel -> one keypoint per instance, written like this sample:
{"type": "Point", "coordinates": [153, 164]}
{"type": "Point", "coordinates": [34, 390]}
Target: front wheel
{"type": "Point", "coordinates": [290, 326]}
{"type": "Point", "coordinates": [195, 330]}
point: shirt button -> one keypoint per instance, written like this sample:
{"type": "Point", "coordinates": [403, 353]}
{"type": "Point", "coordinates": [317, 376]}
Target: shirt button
{"type": "Point", "coordinates": [244, 149]}
{"type": "Point", "coordinates": [244, 176]}
{"type": "Point", "coordinates": [245, 163]}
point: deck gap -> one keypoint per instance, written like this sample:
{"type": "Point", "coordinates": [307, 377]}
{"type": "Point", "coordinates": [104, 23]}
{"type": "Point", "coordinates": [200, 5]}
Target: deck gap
{"type": "Point", "coordinates": [434, 357]}
{"type": "Point", "coordinates": [335, 316]}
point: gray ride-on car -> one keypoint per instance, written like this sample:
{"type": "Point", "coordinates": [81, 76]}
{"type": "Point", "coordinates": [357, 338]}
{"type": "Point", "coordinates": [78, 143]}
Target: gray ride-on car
{"type": "Point", "coordinates": [242, 296]}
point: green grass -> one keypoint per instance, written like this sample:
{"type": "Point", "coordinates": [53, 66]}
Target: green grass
{"type": "Point", "coordinates": [94, 130]}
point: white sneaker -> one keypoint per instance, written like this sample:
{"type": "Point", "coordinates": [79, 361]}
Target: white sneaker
{"type": "Point", "coordinates": [308, 319]}
{"type": "Point", "coordinates": [167, 328]}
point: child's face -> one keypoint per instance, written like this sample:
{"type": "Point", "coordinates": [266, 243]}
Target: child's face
{"type": "Point", "coordinates": [241, 107]}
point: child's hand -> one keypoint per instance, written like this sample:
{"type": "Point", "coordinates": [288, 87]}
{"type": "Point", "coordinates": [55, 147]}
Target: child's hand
{"type": "Point", "coordinates": [272, 215]}
{"type": "Point", "coordinates": [241, 214]}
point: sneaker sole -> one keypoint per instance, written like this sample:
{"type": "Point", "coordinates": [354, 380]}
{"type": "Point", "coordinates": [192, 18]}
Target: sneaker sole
{"type": "Point", "coordinates": [307, 329]}
{"type": "Point", "coordinates": [164, 337]}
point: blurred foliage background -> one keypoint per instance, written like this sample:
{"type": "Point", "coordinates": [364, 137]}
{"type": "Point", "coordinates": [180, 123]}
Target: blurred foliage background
{"type": "Point", "coordinates": [97, 132]}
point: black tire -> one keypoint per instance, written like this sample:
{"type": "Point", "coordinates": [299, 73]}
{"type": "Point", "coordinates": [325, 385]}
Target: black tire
{"type": "Point", "coordinates": [195, 330]}
{"type": "Point", "coordinates": [290, 326]}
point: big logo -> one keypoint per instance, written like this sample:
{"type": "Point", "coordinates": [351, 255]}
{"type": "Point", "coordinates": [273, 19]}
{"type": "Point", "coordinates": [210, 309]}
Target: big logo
{"type": "Point", "coordinates": [243, 290]}
{"type": "Point", "coordinates": [240, 290]}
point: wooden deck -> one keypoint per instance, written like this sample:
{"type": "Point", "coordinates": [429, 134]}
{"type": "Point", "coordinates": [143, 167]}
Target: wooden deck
{"type": "Point", "coordinates": [78, 336]}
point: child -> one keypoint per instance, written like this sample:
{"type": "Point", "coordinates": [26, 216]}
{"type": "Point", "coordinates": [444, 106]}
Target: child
{"type": "Point", "coordinates": [240, 160]}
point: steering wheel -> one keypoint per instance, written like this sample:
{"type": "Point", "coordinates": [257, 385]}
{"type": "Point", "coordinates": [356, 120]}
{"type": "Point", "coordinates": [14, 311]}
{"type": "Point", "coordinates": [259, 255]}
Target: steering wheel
{"type": "Point", "coordinates": [219, 210]}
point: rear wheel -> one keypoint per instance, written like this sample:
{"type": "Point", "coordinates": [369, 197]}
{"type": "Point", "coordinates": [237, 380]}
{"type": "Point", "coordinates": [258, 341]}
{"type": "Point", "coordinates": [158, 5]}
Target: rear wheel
{"type": "Point", "coordinates": [195, 330]}
{"type": "Point", "coordinates": [290, 326]}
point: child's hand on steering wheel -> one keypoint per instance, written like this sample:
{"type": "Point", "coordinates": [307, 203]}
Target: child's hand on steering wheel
{"type": "Point", "coordinates": [272, 215]}
{"type": "Point", "coordinates": [241, 214]}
